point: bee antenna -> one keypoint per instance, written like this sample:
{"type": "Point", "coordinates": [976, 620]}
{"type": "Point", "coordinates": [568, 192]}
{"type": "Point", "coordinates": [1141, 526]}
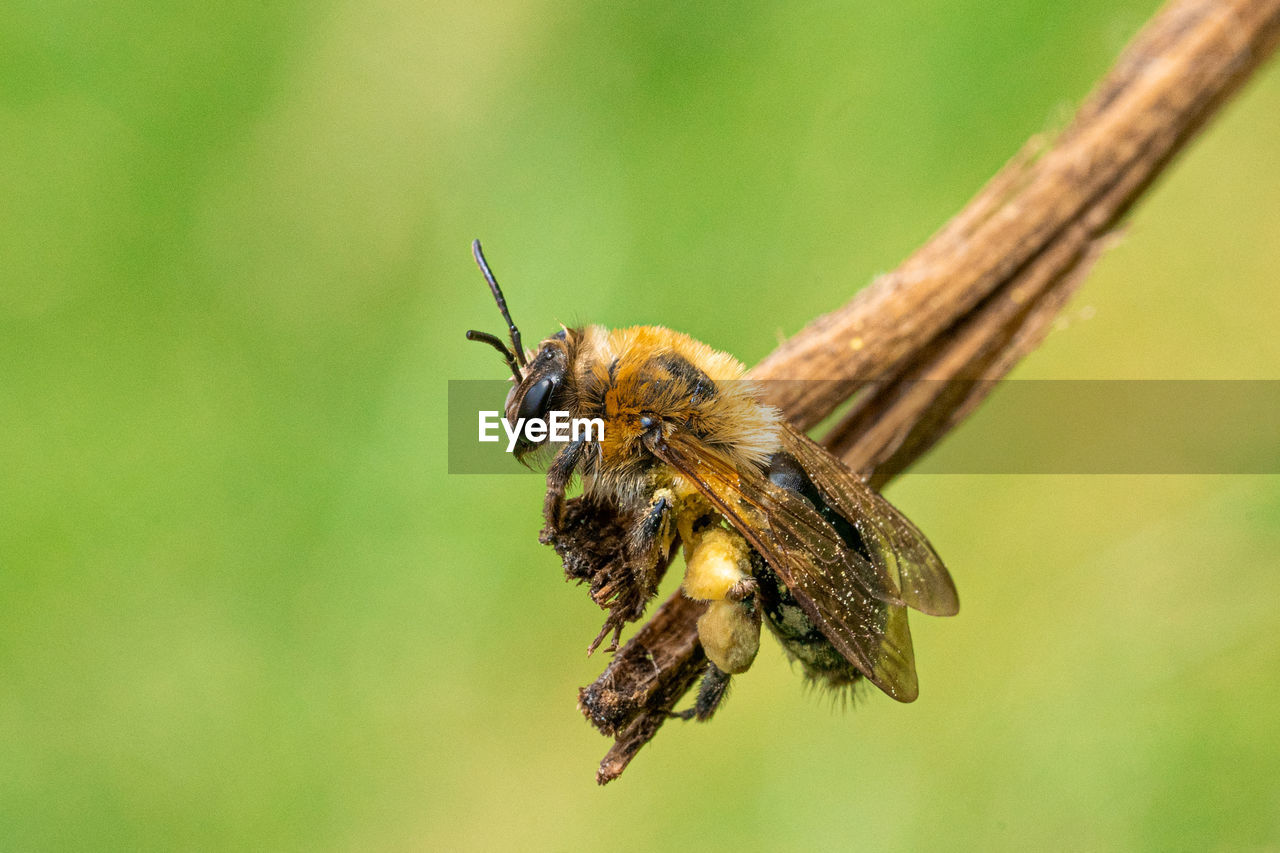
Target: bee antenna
{"type": "Point", "coordinates": [486, 338]}
{"type": "Point", "coordinates": [502, 303]}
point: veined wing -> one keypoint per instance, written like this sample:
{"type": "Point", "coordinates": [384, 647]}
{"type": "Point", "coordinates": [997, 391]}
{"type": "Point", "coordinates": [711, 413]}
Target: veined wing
{"type": "Point", "coordinates": [898, 550]}
{"type": "Point", "coordinates": [827, 578]}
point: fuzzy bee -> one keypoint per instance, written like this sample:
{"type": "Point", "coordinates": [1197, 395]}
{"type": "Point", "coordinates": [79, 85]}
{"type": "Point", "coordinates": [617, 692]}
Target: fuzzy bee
{"type": "Point", "coordinates": [774, 529]}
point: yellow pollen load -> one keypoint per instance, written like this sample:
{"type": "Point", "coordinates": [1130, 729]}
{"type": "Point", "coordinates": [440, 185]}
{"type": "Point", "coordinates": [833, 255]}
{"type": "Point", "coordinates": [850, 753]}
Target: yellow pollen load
{"type": "Point", "coordinates": [729, 636]}
{"type": "Point", "coordinates": [715, 560]}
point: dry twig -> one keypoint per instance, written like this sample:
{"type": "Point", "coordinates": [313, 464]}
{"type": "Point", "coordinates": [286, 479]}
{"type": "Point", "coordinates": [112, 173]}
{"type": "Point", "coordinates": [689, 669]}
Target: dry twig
{"type": "Point", "coordinates": [971, 302]}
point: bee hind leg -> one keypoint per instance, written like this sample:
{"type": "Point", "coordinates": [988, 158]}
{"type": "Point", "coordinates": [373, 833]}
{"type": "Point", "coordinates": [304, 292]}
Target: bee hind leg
{"type": "Point", "coordinates": [742, 590]}
{"type": "Point", "coordinates": [714, 687]}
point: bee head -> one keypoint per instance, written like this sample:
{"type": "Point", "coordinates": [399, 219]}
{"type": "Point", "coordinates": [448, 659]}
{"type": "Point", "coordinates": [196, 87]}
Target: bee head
{"type": "Point", "coordinates": [539, 385]}
{"type": "Point", "coordinates": [542, 390]}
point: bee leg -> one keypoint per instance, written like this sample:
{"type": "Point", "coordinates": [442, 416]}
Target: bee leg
{"type": "Point", "coordinates": [717, 570]}
{"type": "Point", "coordinates": [651, 534]}
{"type": "Point", "coordinates": [648, 551]}
{"type": "Point", "coordinates": [730, 634]}
{"type": "Point", "coordinates": [742, 590]}
{"type": "Point", "coordinates": [558, 475]}
{"type": "Point", "coordinates": [714, 687]}
{"type": "Point", "coordinates": [717, 565]}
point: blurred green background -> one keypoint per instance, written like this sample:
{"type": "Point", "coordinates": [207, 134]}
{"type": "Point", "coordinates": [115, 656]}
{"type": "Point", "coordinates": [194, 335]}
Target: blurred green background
{"type": "Point", "coordinates": [243, 604]}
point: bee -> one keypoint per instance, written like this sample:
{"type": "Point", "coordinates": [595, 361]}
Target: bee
{"type": "Point", "coordinates": [774, 530]}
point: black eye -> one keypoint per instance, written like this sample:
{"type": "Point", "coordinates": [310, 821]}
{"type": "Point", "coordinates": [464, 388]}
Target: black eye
{"type": "Point", "coordinates": [537, 400]}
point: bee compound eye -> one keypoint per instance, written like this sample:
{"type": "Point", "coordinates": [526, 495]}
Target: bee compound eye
{"type": "Point", "coordinates": [537, 400]}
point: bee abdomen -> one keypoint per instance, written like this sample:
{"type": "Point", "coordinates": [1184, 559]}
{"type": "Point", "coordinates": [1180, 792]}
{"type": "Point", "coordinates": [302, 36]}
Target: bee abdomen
{"type": "Point", "coordinates": [783, 470]}
{"type": "Point", "coordinates": [801, 638]}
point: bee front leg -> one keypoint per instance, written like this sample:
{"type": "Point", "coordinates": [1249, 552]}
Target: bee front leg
{"type": "Point", "coordinates": [647, 553]}
{"type": "Point", "coordinates": [559, 473]}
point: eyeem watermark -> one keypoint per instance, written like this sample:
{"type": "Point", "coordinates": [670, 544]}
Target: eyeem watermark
{"type": "Point", "coordinates": [559, 427]}
{"type": "Point", "coordinates": [1025, 426]}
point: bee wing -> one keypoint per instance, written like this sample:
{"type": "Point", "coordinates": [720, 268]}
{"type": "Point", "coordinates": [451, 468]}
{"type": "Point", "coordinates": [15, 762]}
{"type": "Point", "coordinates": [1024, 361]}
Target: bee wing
{"type": "Point", "coordinates": [899, 551]}
{"type": "Point", "coordinates": [827, 578]}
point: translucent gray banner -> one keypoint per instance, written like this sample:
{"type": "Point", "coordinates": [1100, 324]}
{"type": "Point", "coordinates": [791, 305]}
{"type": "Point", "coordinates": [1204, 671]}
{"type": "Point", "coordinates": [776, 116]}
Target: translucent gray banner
{"type": "Point", "coordinates": [1024, 427]}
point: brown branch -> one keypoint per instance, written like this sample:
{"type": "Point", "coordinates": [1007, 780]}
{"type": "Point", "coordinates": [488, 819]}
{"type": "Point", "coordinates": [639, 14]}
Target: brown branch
{"type": "Point", "coordinates": [969, 304]}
